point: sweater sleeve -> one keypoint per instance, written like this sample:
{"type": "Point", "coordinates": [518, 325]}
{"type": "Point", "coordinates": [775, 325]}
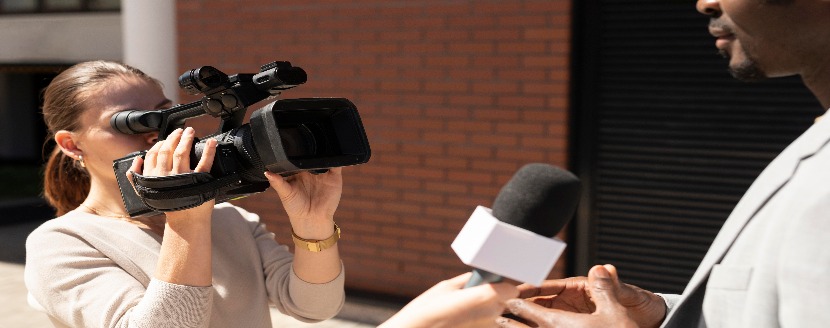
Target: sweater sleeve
{"type": "Point", "coordinates": [84, 281]}
{"type": "Point", "coordinates": [307, 302]}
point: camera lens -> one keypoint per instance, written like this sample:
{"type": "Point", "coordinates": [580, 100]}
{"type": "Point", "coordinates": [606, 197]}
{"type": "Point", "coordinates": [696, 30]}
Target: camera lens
{"type": "Point", "coordinates": [298, 141]}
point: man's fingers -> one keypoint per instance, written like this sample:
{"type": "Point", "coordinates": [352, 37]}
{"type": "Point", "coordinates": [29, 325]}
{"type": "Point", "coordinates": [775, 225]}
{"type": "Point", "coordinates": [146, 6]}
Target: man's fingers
{"type": "Point", "coordinates": [604, 288]}
{"type": "Point", "coordinates": [534, 312]}
{"type": "Point", "coordinates": [548, 288]}
{"type": "Point", "coordinates": [503, 322]}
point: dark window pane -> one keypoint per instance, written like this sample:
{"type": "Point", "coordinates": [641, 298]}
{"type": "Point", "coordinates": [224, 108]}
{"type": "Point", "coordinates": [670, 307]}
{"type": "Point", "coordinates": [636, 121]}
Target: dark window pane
{"type": "Point", "coordinates": [18, 5]}
{"type": "Point", "coordinates": [104, 4]}
{"type": "Point", "coordinates": [50, 5]}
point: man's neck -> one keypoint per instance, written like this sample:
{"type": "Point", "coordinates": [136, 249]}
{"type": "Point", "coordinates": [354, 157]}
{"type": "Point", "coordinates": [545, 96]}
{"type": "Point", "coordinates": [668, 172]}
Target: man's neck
{"type": "Point", "coordinates": [818, 81]}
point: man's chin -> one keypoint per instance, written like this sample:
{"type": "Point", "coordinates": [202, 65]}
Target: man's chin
{"type": "Point", "coordinates": [748, 73]}
{"type": "Point", "coordinates": [746, 70]}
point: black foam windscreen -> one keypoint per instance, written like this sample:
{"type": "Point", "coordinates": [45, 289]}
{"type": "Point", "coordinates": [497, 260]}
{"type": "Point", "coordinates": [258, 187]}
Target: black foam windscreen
{"type": "Point", "coordinates": [540, 198]}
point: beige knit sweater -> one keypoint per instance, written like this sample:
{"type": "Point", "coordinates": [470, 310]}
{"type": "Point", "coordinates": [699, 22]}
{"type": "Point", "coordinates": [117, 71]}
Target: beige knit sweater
{"type": "Point", "coordinates": [91, 271]}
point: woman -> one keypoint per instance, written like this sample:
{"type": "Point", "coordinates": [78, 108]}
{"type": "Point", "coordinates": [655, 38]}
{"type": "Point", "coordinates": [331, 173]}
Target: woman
{"type": "Point", "coordinates": [208, 266]}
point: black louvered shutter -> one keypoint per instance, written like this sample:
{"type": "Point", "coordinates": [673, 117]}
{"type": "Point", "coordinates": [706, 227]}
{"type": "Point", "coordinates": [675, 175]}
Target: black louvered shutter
{"type": "Point", "coordinates": [667, 141]}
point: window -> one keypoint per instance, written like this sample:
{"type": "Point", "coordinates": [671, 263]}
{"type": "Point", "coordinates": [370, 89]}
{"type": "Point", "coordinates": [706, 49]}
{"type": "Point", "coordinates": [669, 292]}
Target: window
{"type": "Point", "coordinates": [57, 6]}
{"type": "Point", "coordinates": [22, 131]}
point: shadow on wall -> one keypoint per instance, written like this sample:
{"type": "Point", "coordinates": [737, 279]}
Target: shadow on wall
{"type": "Point", "coordinates": [17, 219]}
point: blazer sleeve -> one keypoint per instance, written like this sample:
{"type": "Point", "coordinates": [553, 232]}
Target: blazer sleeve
{"type": "Point", "coordinates": [307, 302]}
{"type": "Point", "coordinates": [82, 284]}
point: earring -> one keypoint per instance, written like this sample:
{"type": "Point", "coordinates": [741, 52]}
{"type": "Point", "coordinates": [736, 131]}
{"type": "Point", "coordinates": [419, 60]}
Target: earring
{"type": "Point", "coordinates": [81, 161]}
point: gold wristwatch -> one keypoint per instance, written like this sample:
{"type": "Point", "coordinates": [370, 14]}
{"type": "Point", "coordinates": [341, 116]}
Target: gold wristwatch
{"type": "Point", "coordinates": [317, 245]}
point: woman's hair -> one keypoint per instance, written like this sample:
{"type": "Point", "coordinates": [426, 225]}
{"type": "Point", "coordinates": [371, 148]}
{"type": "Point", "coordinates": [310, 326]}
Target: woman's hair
{"type": "Point", "coordinates": [65, 183]}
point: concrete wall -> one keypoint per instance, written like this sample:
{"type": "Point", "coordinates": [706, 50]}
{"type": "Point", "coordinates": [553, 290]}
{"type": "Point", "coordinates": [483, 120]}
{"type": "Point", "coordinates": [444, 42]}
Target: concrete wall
{"type": "Point", "coordinates": [455, 97]}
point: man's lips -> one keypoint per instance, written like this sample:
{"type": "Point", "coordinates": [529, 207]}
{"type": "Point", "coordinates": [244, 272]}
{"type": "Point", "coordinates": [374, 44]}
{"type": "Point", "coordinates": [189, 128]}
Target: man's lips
{"type": "Point", "coordinates": [723, 42]}
{"type": "Point", "coordinates": [724, 37]}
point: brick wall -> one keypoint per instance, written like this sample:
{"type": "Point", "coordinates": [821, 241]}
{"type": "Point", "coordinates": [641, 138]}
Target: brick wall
{"type": "Point", "coordinates": [455, 97]}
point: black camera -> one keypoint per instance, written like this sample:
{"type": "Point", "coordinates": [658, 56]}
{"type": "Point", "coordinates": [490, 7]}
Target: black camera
{"type": "Point", "coordinates": [285, 137]}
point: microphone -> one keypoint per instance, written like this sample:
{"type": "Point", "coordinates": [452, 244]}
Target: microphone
{"type": "Point", "coordinates": [513, 239]}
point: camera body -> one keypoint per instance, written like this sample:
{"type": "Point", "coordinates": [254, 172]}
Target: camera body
{"type": "Point", "coordinates": [285, 137]}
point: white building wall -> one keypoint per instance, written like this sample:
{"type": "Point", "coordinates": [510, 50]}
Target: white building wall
{"type": "Point", "coordinates": [60, 38]}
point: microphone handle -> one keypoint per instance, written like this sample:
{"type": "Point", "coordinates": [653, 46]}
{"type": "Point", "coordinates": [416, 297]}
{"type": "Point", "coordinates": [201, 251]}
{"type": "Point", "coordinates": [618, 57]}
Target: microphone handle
{"type": "Point", "coordinates": [481, 277]}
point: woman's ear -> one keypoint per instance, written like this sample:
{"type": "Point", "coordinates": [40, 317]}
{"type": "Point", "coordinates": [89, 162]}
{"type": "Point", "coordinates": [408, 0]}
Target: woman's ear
{"type": "Point", "coordinates": [66, 141]}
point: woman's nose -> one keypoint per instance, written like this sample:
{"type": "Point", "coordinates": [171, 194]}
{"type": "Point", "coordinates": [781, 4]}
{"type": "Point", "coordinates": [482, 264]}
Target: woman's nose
{"type": "Point", "coordinates": [709, 7]}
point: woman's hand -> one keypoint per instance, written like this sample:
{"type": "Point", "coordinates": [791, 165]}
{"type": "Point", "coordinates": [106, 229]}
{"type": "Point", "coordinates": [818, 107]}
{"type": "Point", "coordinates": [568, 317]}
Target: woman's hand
{"type": "Point", "coordinates": [172, 156]}
{"type": "Point", "coordinates": [310, 200]}
{"type": "Point", "coordinates": [185, 254]}
{"type": "Point", "coordinates": [448, 305]}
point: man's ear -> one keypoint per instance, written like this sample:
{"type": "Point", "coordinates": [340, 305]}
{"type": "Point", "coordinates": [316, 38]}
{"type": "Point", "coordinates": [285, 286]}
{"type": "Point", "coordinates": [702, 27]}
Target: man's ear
{"type": "Point", "coordinates": [66, 141]}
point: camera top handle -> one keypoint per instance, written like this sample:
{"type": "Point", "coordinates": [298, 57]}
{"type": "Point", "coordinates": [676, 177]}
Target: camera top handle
{"type": "Point", "coordinates": [226, 97]}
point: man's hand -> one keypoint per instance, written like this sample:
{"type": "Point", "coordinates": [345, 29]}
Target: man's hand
{"type": "Point", "coordinates": [599, 300]}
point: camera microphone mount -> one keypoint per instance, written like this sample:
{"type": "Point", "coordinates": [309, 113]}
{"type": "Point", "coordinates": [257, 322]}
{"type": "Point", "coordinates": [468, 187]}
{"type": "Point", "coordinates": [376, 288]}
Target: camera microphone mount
{"type": "Point", "coordinates": [225, 97]}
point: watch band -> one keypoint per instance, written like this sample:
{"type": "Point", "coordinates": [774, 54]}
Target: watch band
{"type": "Point", "coordinates": [316, 245]}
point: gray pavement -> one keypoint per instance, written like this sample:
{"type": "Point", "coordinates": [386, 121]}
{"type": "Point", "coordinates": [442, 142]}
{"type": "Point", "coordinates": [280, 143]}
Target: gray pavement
{"type": "Point", "coordinates": [359, 312]}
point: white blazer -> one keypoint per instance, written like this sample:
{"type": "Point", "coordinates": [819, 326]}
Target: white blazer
{"type": "Point", "coordinates": [769, 265]}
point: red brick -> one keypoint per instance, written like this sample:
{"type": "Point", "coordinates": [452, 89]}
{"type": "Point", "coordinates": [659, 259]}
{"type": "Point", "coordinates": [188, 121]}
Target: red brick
{"type": "Point", "coordinates": [470, 100]}
{"type": "Point", "coordinates": [524, 20]}
{"type": "Point", "coordinates": [495, 87]}
{"type": "Point", "coordinates": [494, 140]}
{"type": "Point", "coordinates": [422, 197]}
{"type": "Point", "coordinates": [446, 137]}
{"type": "Point", "coordinates": [400, 85]}
{"type": "Point", "coordinates": [520, 128]}
{"type": "Point", "coordinates": [476, 73]}
{"type": "Point", "coordinates": [498, 34]}
{"type": "Point", "coordinates": [446, 187]}
{"type": "Point", "coordinates": [471, 151]}
{"type": "Point", "coordinates": [423, 173]}
{"type": "Point", "coordinates": [446, 212]}
{"type": "Point", "coordinates": [450, 61]}
{"type": "Point", "coordinates": [423, 47]}
{"type": "Point", "coordinates": [470, 176]}
{"type": "Point", "coordinates": [447, 86]}
{"type": "Point", "coordinates": [547, 143]}
{"type": "Point", "coordinates": [423, 149]}
{"type": "Point", "coordinates": [447, 162]}
{"type": "Point", "coordinates": [522, 75]}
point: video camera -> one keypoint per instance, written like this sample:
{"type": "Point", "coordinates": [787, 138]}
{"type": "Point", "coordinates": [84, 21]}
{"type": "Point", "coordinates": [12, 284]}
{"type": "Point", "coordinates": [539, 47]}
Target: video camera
{"type": "Point", "coordinates": [285, 137]}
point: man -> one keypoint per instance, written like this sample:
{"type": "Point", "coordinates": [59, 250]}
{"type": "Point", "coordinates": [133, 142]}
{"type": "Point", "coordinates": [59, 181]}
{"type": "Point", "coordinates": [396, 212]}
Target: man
{"type": "Point", "coordinates": [769, 266]}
